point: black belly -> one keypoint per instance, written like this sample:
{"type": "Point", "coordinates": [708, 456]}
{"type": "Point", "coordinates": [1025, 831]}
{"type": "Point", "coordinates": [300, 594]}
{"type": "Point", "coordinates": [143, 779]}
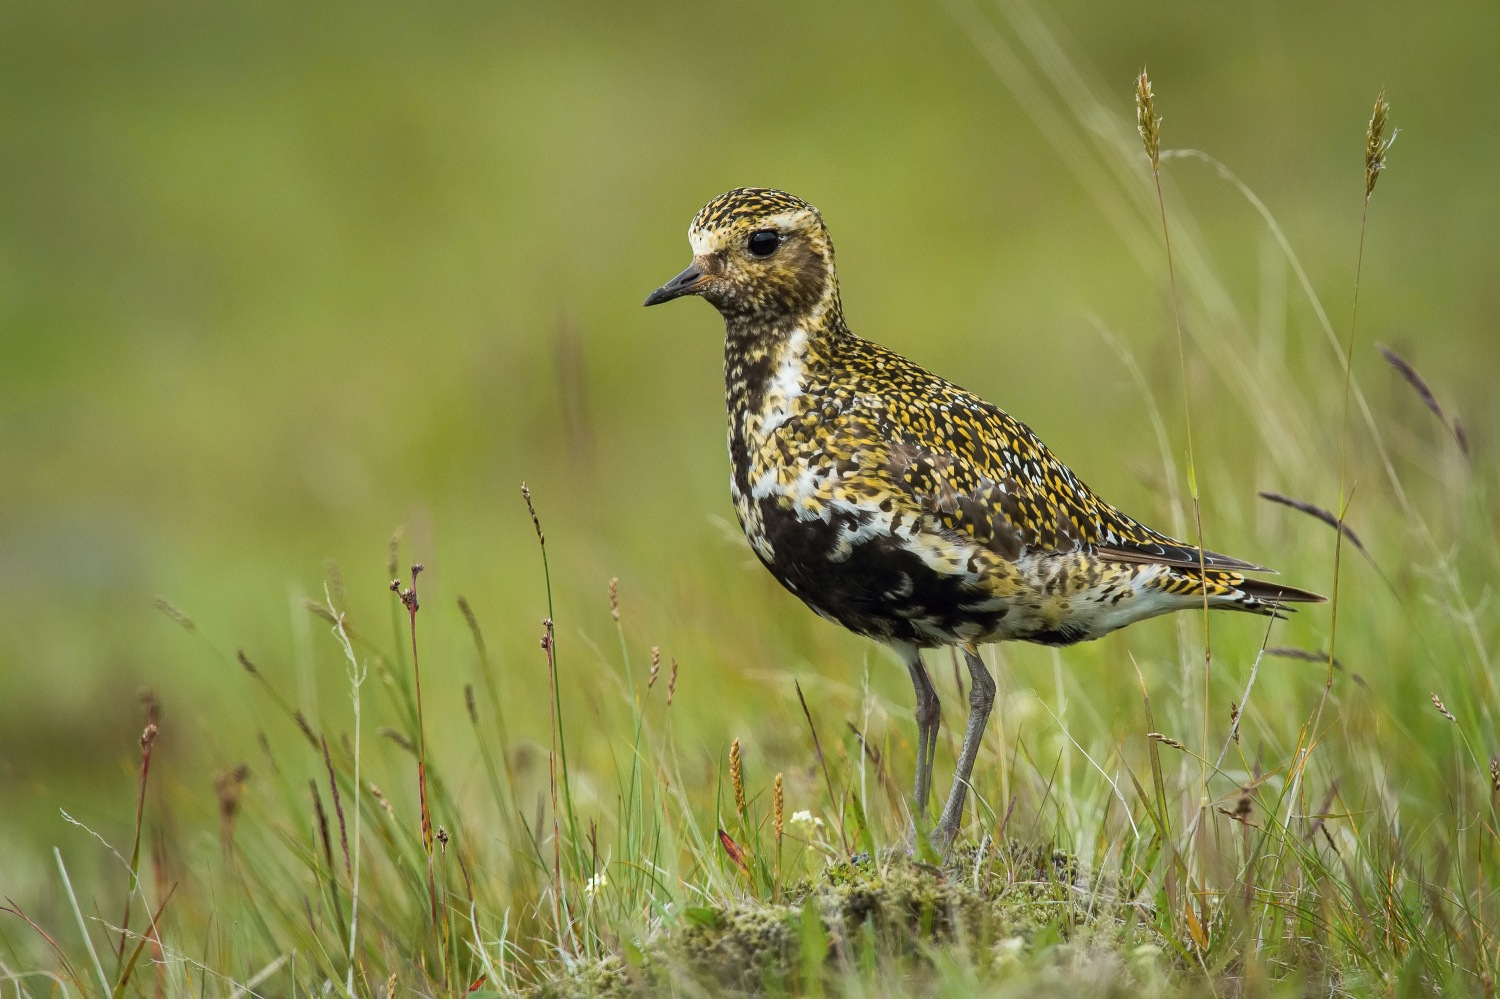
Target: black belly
{"type": "Point", "coordinates": [880, 589]}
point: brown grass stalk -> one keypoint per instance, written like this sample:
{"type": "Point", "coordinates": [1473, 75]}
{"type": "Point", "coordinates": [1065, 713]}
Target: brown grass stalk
{"type": "Point", "coordinates": [818, 752]}
{"type": "Point", "coordinates": [412, 604]}
{"type": "Point", "coordinates": [140, 945]}
{"type": "Point", "coordinates": [14, 909]}
{"type": "Point", "coordinates": [338, 809]}
{"type": "Point", "coordinates": [1376, 146]}
{"type": "Point", "coordinates": [333, 878]}
{"type": "Point", "coordinates": [148, 740]}
{"type": "Point", "coordinates": [1149, 125]}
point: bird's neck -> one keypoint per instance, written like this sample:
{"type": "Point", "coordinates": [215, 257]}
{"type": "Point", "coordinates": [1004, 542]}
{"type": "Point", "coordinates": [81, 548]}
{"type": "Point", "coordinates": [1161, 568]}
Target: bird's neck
{"type": "Point", "coordinates": [770, 363]}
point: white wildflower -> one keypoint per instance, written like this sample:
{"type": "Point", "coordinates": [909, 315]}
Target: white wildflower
{"type": "Point", "coordinates": [807, 818]}
{"type": "Point", "coordinates": [592, 886]}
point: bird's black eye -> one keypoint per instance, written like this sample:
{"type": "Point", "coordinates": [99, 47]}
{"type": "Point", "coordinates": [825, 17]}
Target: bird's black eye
{"type": "Point", "coordinates": [764, 243]}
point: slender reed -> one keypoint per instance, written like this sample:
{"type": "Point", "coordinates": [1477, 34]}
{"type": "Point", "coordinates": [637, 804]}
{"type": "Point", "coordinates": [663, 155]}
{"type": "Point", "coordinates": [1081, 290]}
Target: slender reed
{"type": "Point", "coordinates": [412, 604]}
{"type": "Point", "coordinates": [356, 676]}
{"type": "Point", "coordinates": [1376, 147]}
{"type": "Point", "coordinates": [148, 740]}
{"type": "Point", "coordinates": [557, 880]}
{"type": "Point", "coordinates": [562, 745]}
{"type": "Point", "coordinates": [1149, 125]}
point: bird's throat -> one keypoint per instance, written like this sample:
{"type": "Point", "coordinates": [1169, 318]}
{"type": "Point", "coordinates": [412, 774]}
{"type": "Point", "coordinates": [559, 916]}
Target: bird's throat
{"type": "Point", "coordinates": [774, 372]}
{"type": "Point", "coordinates": [770, 366]}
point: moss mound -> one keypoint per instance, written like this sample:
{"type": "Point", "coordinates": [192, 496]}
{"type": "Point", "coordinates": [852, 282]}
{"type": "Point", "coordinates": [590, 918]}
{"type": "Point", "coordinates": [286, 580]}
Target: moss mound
{"type": "Point", "coordinates": [889, 921]}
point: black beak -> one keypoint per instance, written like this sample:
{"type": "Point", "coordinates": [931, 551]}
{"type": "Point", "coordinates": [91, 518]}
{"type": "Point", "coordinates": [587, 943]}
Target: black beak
{"type": "Point", "coordinates": [686, 283]}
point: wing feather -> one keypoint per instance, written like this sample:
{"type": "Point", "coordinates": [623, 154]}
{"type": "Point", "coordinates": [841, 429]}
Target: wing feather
{"type": "Point", "coordinates": [985, 473]}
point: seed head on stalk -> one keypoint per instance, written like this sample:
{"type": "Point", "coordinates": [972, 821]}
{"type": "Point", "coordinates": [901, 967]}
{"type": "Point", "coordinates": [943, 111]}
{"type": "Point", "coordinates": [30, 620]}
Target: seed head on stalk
{"type": "Point", "coordinates": [1146, 120]}
{"type": "Point", "coordinates": [736, 777]}
{"type": "Point", "coordinates": [779, 804]}
{"type": "Point", "coordinates": [1376, 144]}
{"type": "Point", "coordinates": [1148, 123]}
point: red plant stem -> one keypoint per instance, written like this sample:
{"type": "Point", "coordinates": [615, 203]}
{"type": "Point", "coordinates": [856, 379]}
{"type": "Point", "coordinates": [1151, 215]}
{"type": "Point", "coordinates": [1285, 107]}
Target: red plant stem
{"type": "Point", "coordinates": [148, 740]}
{"type": "Point", "coordinates": [410, 600]}
{"type": "Point", "coordinates": [547, 640]}
{"type": "Point", "coordinates": [421, 741]}
{"type": "Point", "coordinates": [14, 909]}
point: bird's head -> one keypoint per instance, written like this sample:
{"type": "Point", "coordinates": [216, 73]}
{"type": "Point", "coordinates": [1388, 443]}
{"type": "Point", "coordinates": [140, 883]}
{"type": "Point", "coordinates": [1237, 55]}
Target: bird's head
{"type": "Point", "coordinates": [758, 254]}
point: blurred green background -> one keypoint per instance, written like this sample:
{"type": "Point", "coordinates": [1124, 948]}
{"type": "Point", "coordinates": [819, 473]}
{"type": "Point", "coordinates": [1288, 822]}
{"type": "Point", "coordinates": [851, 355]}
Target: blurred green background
{"type": "Point", "coordinates": [278, 278]}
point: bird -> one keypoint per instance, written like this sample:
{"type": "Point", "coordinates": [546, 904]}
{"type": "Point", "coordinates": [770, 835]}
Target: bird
{"type": "Point", "coordinates": [903, 507]}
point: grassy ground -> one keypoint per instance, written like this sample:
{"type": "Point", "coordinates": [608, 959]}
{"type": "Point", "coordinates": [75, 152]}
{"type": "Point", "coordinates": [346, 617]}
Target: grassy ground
{"type": "Point", "coordinates": [682, 782]}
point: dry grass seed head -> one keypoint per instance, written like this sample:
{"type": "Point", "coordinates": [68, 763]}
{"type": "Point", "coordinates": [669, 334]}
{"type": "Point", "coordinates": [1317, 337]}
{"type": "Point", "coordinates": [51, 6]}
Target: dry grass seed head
{"type": "Point", "coordinates": [393, 559]}
{"type": "Point", "coordinates": [318, 610]}
{"type": "Point", "coordinates": [229, 786]}
{"type": "Point", "coordinates": [737, 777]}
{"type": "Point", "coordinates": [246, 663]}
{"type": "Point", "coordinates": [380, 797]}
{"type": "Point", "coordinates": [1437, 702]}
{"type": "Point", "coordinates": [1424, 391]}
{"type": "Point", "coordinates": [535, 520]}
{"type": "Point", "coordinates": [335, 583]}
{"type": "Point", "coordinates": [778, 803]}
{"type": "Point", "coordinates": [1313, 510]}
{"type": "Point", "coordinates": [174, 612]}
{"type": "Point", "coordinates": [1146, 120]}
{"type": "Point", "coordinates": [307, 732]}
{"type": "Point", "coordinates": [1413, 379]}
{"type": "Point", "coordinates": [386, 732]}
{"type": "Point", "coordinates": [151, 701]}
{"type": "Point", "coordinates": [1376, 145]}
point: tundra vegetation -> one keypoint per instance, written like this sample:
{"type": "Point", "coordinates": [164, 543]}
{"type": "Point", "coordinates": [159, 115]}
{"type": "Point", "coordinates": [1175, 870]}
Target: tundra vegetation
{"type": "Point", "coordinates": [1209, 806]}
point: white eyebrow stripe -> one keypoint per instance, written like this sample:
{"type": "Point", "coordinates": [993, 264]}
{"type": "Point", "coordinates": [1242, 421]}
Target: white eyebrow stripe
{"type": "Point", "coordinates": [705, 241]}
{"type": "Point", "coordinates": [702, 241]}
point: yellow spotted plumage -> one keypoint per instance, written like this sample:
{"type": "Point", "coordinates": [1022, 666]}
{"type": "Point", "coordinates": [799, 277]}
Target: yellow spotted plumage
{"type": "Point", "coordinates": [898, 504]}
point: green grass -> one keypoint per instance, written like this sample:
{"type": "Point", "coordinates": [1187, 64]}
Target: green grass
{"type": "Point", "coordinates": [1281, 836]}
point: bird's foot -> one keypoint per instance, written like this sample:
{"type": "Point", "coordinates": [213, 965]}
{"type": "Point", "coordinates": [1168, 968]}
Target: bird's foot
{"type": "Point", "coordinates": [942, 839]}
{"type": "Point", "coordinates": [925, 843]}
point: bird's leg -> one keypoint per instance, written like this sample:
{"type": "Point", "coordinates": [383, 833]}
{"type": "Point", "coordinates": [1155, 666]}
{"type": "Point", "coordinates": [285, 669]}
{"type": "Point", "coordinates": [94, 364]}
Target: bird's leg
{"type": "Point", "coordinates": [929, 716]}
{"type": "Point", "coordinates": [927, 713]}
{"type": "Point", "coordinates": [981, 698]}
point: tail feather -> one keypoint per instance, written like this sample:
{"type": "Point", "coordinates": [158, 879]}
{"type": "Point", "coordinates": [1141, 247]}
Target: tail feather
{"type": "Point", "coordinates": [1232, 591]}
{"type": "Point", "coordinates": [1272, 592]}
{"type": "Point", "coordinates": [1257, 596]}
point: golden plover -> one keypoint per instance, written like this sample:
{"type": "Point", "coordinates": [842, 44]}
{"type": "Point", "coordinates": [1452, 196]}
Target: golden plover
{"type": "Point", "coordinates": [901, 506]}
